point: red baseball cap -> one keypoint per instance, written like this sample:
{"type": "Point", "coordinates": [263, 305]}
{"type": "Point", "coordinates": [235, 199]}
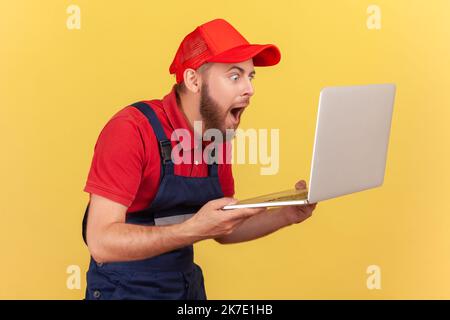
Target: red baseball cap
{"type": "Point", "coordinates": [219, 41]}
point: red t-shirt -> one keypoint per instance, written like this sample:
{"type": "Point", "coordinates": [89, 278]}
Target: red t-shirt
{"type": "Point", "coordinates": [126, 164]}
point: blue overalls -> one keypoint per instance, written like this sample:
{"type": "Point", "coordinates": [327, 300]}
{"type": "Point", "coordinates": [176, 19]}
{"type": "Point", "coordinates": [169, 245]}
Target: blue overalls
{"type": "Point", "coordinates": [172, 275]}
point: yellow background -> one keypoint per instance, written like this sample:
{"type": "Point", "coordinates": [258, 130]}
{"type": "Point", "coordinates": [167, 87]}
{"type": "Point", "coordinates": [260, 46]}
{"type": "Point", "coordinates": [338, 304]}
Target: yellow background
{"type": "Point", "coordinates": [58, 87]}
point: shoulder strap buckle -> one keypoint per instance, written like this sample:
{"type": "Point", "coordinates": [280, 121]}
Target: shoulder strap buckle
{"type": "Point", "coordinates": [165, 147]}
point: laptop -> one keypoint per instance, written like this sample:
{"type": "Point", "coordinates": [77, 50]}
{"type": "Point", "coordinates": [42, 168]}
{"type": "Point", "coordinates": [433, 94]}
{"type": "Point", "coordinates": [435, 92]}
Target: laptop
{"type": "Point", "coordinates": [350, 147]}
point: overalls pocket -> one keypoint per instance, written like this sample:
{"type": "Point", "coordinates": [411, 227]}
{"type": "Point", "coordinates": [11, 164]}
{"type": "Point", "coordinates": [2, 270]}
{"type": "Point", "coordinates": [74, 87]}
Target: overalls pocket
{"type": "Point", "coordinates": [157, 285]}
{"type": "Point", "coordinates": [103, 286]}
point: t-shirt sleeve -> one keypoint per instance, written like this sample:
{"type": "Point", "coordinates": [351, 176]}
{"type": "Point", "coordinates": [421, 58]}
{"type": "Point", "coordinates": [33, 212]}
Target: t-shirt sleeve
{"type": "Point", "coordinates": [116, 168]}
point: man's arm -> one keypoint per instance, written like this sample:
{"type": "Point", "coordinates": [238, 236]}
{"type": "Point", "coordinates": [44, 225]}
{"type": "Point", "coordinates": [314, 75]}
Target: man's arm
{"type": "Point", "coordinates": [110, 239]}
{"type": "Point", "coordinates": [269, 221]}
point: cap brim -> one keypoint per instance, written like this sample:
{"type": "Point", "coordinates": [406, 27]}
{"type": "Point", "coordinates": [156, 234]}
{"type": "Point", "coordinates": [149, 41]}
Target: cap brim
{"type": "Point", "coordinates": [263, 55]}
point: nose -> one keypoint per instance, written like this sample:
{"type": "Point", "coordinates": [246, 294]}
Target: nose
{"type": "Point", "coordinates": [248, 90]}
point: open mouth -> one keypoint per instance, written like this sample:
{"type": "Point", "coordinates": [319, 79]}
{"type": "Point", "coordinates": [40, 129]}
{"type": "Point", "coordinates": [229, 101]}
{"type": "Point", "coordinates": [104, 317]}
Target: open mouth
{"type": "Point", "coordinates": [236, 113]}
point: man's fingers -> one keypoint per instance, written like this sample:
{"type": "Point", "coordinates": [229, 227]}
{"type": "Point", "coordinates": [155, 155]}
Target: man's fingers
{"type": "Point", "coordinates": [220, 203]}
{"type": "Point", "coordinates": [308, 209]}
{"type": "Point", "coordinates": [300, 185]}
{"type": "Point", "coordinates": [311, 206]}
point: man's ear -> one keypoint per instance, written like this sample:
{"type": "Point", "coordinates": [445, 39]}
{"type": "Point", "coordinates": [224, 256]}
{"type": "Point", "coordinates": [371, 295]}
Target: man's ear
{"type": "Point", "coordinates": [192, 80]}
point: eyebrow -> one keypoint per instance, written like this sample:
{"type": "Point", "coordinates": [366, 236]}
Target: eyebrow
{"type": "Point", "coordinates": [242, 70]}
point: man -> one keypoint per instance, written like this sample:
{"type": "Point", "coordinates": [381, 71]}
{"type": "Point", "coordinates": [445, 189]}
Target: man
{"type": "Point", "coordinates": [146, 209]}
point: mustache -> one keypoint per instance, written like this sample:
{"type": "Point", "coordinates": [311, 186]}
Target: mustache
{"type": "Point", "coordinates": [245, 101]}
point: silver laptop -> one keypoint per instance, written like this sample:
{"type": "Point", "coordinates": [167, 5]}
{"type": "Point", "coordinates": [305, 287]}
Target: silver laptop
{"type": "Point", "coordinates": [350, 148]}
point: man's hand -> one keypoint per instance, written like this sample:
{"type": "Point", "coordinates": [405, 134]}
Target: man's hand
{"type": "Point", "coordinates": [213, 222]}
{"type": "Point", "coordinates": [297, 214]}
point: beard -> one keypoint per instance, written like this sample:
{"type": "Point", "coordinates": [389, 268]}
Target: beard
{"type": "Point", "coordinates": [213, 118]}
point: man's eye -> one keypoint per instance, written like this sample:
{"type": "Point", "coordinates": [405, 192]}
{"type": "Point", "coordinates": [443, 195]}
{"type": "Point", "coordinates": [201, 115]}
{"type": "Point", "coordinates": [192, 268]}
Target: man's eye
{"type": "Point", "coordinates": [234, 77]}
